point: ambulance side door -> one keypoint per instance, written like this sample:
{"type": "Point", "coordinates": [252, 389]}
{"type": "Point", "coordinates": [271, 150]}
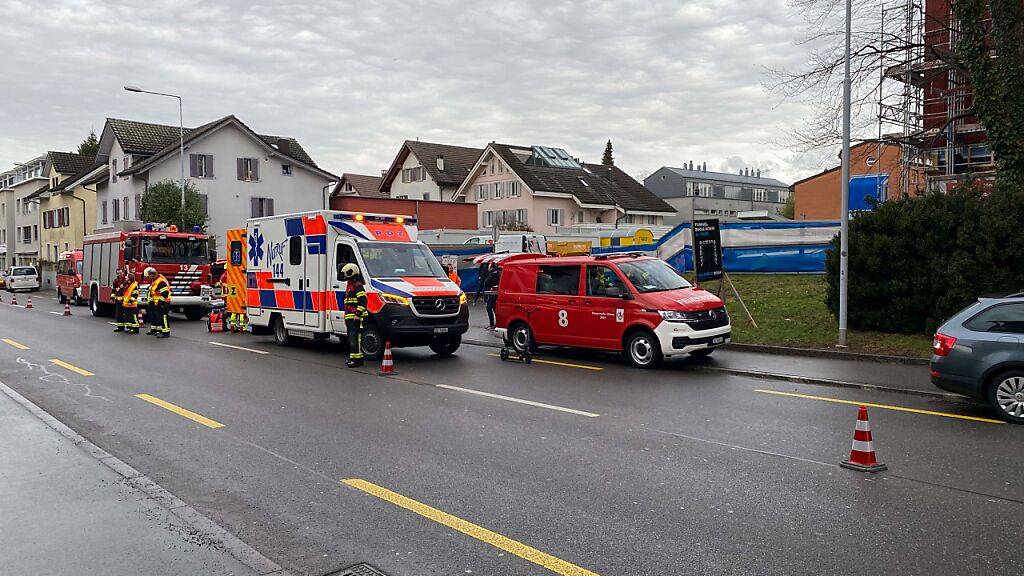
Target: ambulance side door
{"type": "Point", "coordinates": [291, 287]}
{"type": "Point", "coordinates": [344, 253]}
{"type": "Point", "coordinates": [314, 286]}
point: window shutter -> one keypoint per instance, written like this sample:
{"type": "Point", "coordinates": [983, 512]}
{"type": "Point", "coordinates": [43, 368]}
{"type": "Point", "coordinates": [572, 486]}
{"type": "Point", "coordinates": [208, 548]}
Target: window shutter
{"type": "Point", "coordinates": [255, 204]}
{"type": "Point", "coordinates": [193, 165]}
{"type": "Point", "coordinates": [255, 163]}
{"type": "Point", "coordinates": [209, 165]}
{"type": "Point", "coordinates": [240, 165]}
{"type": "Point", "coordinates": [270, 206]}
{"type": "Point", "coordinates": [204, 204]}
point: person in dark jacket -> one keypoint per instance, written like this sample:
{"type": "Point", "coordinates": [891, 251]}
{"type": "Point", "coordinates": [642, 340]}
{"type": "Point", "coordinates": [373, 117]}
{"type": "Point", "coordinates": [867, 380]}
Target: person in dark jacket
{"type": "Point", "coordinates": [355, 313]}
{"type": "Point", "coordinates": [491, 293]}
{"type": "Point", "coordinates": [117, 289]}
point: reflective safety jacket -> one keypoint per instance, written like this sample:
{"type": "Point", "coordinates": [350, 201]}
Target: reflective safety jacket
{"type": "Point", "coordinates": [131, 296]}
{"type": "Point", "coordinates": [355, 300]}
{"type": "Point", "coordinates": [160, 291]}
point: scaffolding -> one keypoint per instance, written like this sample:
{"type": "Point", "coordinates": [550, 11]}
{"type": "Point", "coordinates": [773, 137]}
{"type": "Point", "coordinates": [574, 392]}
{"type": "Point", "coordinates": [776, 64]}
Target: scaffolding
{"type": "Point", "coordinates": [923, 100]}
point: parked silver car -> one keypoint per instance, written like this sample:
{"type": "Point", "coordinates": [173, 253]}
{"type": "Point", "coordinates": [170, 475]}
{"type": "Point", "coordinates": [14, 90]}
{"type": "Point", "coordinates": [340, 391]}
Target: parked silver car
{"type": "Point", "coordinates": [979, 352]}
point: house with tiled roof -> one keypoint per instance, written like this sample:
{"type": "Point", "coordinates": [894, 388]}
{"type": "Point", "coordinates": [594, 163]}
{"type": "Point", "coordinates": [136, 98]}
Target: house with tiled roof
{"type": "Point", "coordinates": [359, 185]}
{"type": "Point", "coordinates": [238, 173]}
{"type": "Point", "coordinates": [541, 188]}
{"type": "Point", "coordinates": [67, 209]}
{"type": "Point", "coordinates": [427, 170]}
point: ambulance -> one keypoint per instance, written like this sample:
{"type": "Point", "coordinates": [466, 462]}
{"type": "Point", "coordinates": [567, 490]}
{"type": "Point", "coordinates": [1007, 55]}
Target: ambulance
{"type": "Point", "coordinates": [294, 287]}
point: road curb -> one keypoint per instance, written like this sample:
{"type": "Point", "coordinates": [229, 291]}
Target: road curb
{"type": "Point", "coordinates": [832, 354]}
{"type": "Point", "coordinates": [790, 377]}
{"type": "Point", "coordinates": [208, 529]}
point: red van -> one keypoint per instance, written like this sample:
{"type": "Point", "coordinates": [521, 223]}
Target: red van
{"type": "Point", "coordinates": [633, 304]}
{"type": "Point", "coordinates": [69, 277]}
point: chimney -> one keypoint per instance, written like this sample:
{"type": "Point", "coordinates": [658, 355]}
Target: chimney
{"type": "Point", "coordinates": [691, 164]}
{"type": "Point", "coordinates": [758, 172]}
{"type": "Point", "coordinates": [704, 167]}
{"type": "Point", "coordinates": [282, 145]}
{"type": "Point", "coordinates": [440, 162]}
{"type": "Point", "coordinates": [383, 173]}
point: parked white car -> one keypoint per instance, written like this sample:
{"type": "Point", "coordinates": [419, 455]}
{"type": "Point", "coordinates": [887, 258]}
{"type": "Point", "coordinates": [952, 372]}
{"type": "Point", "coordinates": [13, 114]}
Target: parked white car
{"type": "Point", "coordinates": [23, 278]}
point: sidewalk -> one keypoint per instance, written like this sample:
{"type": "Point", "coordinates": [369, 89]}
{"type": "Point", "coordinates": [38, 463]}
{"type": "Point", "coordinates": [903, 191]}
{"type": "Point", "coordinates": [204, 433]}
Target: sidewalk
{"type": "Point", "coordinates": [63, 511]}
{"type": "Point", "coordinates": [910, 378]}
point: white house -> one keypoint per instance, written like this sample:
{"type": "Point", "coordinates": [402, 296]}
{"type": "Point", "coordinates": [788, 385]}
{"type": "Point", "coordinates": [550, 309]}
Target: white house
{"type": "Point", "coordinates": [428, 171]}
{"type": "Point", "coordinates": [543, 188]}
{"type": "Point", "coordinates": [238, 173]}
{"type": "Point", "coordinates": [19, 214]}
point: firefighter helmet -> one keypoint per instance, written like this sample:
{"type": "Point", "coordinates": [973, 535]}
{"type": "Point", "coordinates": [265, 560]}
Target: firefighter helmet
{"type": "Point", "coordinates": [349, 271]}
{"type": "Point", "coordinates": [149, 272]}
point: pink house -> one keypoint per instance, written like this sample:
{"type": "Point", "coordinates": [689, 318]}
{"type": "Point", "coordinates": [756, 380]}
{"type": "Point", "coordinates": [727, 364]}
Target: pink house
{"type": "Point", "coordinates": [540, 188]}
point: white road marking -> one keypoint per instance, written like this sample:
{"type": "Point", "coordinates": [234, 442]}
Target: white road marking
{"type": "Point", "coordinates": [57, 313]}
{"type": "Point", "coordinates": [519, 401]}
{"type": "Point", "coordinates": [239, 348]}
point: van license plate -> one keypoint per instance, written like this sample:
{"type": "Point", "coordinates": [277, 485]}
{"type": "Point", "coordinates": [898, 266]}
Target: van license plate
{"type": "Point", "coordinates": [440, 330]}
{"type": "Point", "coordinates": [718, 340]}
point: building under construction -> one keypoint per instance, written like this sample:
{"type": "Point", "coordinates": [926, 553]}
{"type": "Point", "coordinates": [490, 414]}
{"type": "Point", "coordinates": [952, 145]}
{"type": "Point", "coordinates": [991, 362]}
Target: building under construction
{"type": "Point", "coordinates": [926, 99]}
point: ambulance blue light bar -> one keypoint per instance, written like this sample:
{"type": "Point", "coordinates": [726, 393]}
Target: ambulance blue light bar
{"type": "Point", "coordinates": [378, 218]}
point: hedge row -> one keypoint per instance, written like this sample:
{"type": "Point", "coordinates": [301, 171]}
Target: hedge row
{"type": "Point", "coordinates": [916, 261]}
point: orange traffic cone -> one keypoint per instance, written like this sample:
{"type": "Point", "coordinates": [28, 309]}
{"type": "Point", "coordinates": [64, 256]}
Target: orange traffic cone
{"type": "Point", "coordinates": [67, 309]}
{"type": "Point", "coordinates": [14, 299]}
{"type": "Point", "coordinates": [29, 305]}
{"type": "Point", "coordinates": [387, 364]}
{"type": "Point", "coordinates": [862, 455]}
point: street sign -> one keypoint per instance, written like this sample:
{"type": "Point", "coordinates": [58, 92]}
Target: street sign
{"type": "Point", "coordinates": [707, 251]}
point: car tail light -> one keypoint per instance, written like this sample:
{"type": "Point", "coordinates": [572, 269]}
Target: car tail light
{"type": "Point", "coordinates": [942, 344]}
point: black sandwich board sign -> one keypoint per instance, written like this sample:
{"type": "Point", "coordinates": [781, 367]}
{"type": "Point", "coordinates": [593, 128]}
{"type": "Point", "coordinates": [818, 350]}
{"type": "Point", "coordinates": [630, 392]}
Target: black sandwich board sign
{"type": "Point", "coordinates": [707, 249]}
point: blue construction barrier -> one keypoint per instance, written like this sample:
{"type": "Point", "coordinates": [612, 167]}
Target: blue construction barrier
{"type": "Point", "coordinates": [792, 259]}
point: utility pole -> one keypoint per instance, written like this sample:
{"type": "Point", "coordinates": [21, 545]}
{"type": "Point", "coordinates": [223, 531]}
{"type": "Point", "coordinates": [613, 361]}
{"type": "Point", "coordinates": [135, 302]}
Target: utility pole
{"type": "Point", "coordinates": [844, 228]}
{"type": "Point", "coordinates": [181, 140]}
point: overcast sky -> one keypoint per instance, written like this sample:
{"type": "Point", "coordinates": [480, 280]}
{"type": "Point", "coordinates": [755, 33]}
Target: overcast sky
{"type": "Point", "coordinates": [667, 82]}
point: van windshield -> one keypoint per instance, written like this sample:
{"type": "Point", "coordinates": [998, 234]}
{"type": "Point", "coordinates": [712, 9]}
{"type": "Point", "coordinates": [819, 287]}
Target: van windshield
{"type": "Point", "coordinates": [396, 259]}
{"type": "Point", "coordinates": [652, 276]}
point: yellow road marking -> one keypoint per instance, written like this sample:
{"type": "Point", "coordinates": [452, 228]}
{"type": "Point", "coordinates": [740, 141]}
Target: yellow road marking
{"type": "Point", "coordinates": [17, 345]}
{"type": "Point", "coordinates": [883, 406]}
{"type": "Point", "coordinates": [71, 367]}
{"type": "Point", "coordinates": [180, 411]}
{"type": "Point", "coordinates": [482, 534]}
{"type": "Point", "coordinates": [519, 400]}
{"type": "Point", "coordinates": [556, 363]}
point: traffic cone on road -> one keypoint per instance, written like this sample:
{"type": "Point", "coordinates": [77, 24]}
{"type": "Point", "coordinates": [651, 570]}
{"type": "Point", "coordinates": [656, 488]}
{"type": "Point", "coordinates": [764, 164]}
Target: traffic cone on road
{"type": "Point", "coordinates": [29, 305]}
{"type": "Point", "coordinates": [387, 364]}
{"type": "Point", "coordinates": [14, 299]}
{"type": "Point", "coordinates": [862, 455]}
{"type": "Point", "coordinates": [67, 309]}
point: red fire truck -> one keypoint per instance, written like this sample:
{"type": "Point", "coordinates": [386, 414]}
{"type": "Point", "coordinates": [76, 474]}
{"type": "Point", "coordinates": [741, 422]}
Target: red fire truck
{"type": "Point", "coordinates": [182, 257]}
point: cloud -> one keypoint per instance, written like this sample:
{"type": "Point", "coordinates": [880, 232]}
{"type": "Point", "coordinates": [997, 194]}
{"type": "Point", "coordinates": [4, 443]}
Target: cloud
{"type": "Point", "coordinates": [667, 81]}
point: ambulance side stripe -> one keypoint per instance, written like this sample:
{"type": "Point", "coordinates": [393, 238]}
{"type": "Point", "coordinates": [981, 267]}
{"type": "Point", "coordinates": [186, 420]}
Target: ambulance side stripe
{"type": "Point", "coordinates": [347, 228]}
{"type": "Point", "coordinates": [389, 289]}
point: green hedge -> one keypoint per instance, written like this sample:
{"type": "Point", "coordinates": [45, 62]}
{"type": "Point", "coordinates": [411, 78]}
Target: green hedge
{"type": "Point", "coordinates": [916, 261]}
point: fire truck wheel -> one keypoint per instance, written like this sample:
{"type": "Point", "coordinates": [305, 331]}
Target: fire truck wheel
{"type": "Point", "coordinates": [95, 306]}
{"type": "Point", "coordinates": [281, 337]}
{"type": "Point", "coordinates": [194, 313]}
{"type": "Point", "coordinates": [60, 297]}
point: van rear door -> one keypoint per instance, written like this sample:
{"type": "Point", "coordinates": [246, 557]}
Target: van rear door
{"type": "Point", "coordinates": [556, 319]}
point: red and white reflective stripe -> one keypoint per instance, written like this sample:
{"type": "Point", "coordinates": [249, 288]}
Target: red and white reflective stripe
{"type": "Point", "coordinates": [861, 446]}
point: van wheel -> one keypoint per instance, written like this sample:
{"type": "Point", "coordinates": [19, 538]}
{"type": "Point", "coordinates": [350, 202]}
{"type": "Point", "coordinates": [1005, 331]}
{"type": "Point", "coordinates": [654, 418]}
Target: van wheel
{"type": "Point", "coordinates": [446, 346]}
{"type": "Point", "coordinates": [642, 349]}
{"type": "Point", "coordinates": [521, 338]}
{"type": "Point", "coordinates": [1006, 396]}
{"type": "Point", "coordinates": [373, 342]}
{"type": "Point", "coordinates": [281, 337]}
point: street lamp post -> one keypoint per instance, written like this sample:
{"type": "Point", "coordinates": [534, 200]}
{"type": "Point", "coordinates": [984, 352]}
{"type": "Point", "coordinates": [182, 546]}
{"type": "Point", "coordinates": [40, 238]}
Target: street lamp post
{"type": "Point", "coordinates": [844, 228]}
{"type": "Point", "coordinates": [181, 140]}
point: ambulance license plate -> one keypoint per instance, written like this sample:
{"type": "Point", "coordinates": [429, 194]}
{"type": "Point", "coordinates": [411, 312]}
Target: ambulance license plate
{"type": "Point", "coordinates": [440, 330]}
{"type": "Point", "coordinates": [718, 340]}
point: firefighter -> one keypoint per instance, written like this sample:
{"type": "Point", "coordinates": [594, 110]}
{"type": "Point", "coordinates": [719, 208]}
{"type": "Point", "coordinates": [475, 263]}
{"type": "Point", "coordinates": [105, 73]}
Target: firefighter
{"type": "Point", "coordinates": [355, 313]}
{"type": "Point", "coordinates": [130, 305]}
{"type": "Point", "coordinates": [159, 302]}
{"type": "Point", "coordinates": [117, 294]}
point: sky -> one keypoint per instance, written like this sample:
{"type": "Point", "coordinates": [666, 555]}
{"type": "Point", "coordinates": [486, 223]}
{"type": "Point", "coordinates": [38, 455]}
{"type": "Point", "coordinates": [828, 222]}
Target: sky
{"type": "Point", "coordinates": [667, 82]}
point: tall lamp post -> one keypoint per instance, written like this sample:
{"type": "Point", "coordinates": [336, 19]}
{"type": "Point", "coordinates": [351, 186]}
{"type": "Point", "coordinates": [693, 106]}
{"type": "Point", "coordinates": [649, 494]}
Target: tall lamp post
{"type": "Point", "coordinates": [181, 136]}
{"type": "Point", "coordinates": [844, 228]}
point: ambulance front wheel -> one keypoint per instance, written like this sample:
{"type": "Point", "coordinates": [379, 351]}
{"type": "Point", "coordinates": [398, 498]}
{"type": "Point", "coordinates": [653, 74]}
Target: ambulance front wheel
{"type": "Point", "coordinates": [373, 342]}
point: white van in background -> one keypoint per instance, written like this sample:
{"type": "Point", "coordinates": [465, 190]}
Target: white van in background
{"type": "Point", "coordinates": [23, 278]}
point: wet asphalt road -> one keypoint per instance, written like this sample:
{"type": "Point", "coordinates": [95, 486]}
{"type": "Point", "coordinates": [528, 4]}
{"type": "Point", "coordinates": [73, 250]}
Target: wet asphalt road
{"type": "Point", "coordinates": [600, 467]}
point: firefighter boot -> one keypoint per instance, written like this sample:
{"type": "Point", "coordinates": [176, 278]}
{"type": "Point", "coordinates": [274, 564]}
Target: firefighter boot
{"type": "Point", "coordinates": [354, 362]}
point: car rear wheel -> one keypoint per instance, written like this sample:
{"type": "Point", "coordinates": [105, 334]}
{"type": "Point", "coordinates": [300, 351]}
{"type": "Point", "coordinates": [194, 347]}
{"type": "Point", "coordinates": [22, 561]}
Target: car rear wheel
{"type": "Point", "coordinates": [1006, 396]}
{"type": "Point", "coordinates": [521, 338]}
{"type": "Point", "coordinates": [642, 349]}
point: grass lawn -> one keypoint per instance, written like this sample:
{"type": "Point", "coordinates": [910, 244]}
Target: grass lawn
{"type": "Point", "coordinates": [790, 311]}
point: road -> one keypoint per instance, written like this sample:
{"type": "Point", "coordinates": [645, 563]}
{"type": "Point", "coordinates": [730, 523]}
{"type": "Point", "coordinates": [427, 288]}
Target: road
{"type": "Point", "coordinates": [576, 465]}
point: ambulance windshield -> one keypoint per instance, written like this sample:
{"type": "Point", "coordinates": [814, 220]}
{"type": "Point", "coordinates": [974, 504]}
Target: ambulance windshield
{"type": "Point", "coordinates": [399, 259]}
{"type": "Point", "coordinates": [652, 276]}
{"type": "Point", "coordinates": [174, 250]}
